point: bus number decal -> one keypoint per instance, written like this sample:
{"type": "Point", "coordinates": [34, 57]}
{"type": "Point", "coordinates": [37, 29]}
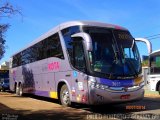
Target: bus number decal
{"type": "Point", "coordinates": [124, 36]}
{"type": "Point", "coordinates": [116, 84]}
{"type": "Point", "coordinates": [53, 66]}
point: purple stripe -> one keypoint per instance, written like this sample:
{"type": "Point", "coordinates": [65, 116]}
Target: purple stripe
{"type": "Point", "coordinates": [117, 83]}
{"type": "Point", "coordinates": [42, 93]}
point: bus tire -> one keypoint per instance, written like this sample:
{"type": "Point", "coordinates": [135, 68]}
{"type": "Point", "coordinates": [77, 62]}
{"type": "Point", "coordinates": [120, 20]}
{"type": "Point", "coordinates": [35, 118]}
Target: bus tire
{"type": "Point", "coordinates": [2, 90]}
{"type": "Point", "coordinates": [17, 89]}
{"type": "Point", "coordinates": [65, 96]}
{"type": "Point", "coordinates": [159, 88]}
{"type": "Point", "coordinates": [20, 90]}
{"type": "Point", "coordinates": [14, 91]}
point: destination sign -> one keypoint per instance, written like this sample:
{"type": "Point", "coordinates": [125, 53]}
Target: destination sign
{"type": "Point", "coordinates": [124, 36]}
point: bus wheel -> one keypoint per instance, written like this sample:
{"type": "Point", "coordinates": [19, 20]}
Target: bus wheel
{"type": "Point", "coordinates": [17, 89]}
{"type": "Point", "coordinates": [2, 90]}
{"type": "Point", "coordinates": [159, 88]}
{"type": "Point", "coordinates": [20, 90]}
{"type": "Point", "coordinates": [64, 96]}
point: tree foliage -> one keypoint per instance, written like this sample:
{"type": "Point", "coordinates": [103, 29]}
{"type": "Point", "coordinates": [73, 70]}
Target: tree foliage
{"type": "Point", "coordinates": [145, 63]}
{"type": "Point", "coordinates": [3, 28]}
{"type": "Point", "coordinates": [6, 10]}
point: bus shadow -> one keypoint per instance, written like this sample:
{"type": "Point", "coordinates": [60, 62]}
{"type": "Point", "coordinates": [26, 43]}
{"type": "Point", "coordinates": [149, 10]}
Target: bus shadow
{"type": "Point", "coordinates": [129, 107]}
{"type": "Point", "coordinates": [107, 109]}
{"type": "Point", "coordinates": [81, 111]}
{"type": "Point", "coordinates": [125, 108]}
{"type": "Point", "coordinates": [7, 113]}
{"type": "Point", "coordinates": [56, 101]}
{"type": "Point", "coordinates": [26, 95]}
{"type": "Point", "coordinates": [138, 106]}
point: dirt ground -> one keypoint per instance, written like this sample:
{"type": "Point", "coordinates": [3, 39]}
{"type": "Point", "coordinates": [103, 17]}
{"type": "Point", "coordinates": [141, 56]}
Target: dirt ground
{"type": "Point", "coordinates": [13, 107]}
{"type": "Point", "coordinates": [34, 107]}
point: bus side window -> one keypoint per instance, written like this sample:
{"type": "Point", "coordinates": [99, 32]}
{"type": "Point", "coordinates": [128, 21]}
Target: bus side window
{"type": "Point", "coordinates": [79, 56]}
{"type": "Point", "coordinates": [54, 48]}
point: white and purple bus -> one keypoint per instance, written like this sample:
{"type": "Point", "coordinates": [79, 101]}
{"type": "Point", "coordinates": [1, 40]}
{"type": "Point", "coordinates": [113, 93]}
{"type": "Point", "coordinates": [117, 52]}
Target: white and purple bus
{"type": "Point", "coordinates": [153, 81]}
{"type": "Point", "coordinates": [82, 62]}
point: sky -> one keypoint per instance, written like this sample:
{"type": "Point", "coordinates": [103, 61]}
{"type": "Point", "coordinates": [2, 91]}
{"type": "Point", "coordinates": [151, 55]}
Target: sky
{"type": "Point", "coordinates": [140, 17]}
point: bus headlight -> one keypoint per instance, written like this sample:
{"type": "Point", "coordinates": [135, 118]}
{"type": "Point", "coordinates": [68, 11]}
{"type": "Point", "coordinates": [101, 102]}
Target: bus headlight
{"type": "Point", "coordinates": [91, 81]}
{"type": "Point", "coordinates": [93, 84]}
{"type": "Point", "coordinates": [101, 86]}
{"type": "Point", "coordinates": [98, 86]}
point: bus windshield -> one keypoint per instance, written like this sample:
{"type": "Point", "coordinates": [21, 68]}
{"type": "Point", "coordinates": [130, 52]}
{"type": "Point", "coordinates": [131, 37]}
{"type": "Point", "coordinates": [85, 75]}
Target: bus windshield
{"type": "Point", "coordinates": [114, 52]}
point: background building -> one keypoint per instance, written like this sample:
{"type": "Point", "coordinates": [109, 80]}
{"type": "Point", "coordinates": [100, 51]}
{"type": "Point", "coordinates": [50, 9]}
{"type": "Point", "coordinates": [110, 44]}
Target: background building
{"type": "Point", "coordinates": [4, 66]}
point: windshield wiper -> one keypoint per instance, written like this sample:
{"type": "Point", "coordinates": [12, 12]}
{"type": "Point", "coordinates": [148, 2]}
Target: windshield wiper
{"type": "Point", "coordinates": [124, 59]}
{"type": "Point", "coordinates": [115, 54]}
{"type": "Point", "coordinates": [116, 60]}
{"type": "Point", "coordinates": [132, 67]}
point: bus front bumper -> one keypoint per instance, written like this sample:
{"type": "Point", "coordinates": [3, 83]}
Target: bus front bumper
{"type": "Point", "coordinates": [99, 96]}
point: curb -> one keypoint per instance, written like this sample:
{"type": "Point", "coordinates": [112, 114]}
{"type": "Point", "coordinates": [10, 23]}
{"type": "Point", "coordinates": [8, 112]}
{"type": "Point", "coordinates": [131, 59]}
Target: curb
{"type": "Point", "coordinates": [152, 93]}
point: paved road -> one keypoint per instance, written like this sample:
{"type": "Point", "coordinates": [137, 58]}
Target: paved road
{"type": "Point", "coordinates": [13, 107]}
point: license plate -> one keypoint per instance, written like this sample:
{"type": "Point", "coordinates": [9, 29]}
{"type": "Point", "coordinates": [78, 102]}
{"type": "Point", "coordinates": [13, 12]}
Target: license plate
{"type": "Point", "coordinates": [125, 97]}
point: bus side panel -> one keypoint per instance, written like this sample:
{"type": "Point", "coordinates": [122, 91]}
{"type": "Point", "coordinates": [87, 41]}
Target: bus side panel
{"type": "Point", "coordinates": [80, 84]}
{"type": "Point", "coordinates": [153, 80]}
{"type": "Point", "coordinates": [65, 78]}
{"type": "Point", "coordinates": [36, 79]}
{"type": "Point", "coordinates": [77, 85]}
{"type": "Point", "coordinates": [58, 69]}
{"type": "Point", "coordinates": [15, 77]}
{"type": "Point", "coordinates": [11, 79]}
{"type": "Point", "coordinates": [39, 70]}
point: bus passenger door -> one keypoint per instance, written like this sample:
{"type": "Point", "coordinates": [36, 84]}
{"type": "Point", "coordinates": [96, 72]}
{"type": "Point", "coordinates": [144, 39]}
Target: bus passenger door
{"type": "Point", "coordinates": [80, 87]}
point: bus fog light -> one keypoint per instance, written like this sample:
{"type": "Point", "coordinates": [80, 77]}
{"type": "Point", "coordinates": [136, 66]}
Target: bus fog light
{"type": "Point", "coordinates": [92, 85]}
{"type": "Point", "coordinates": [102, 87]}
{"type": "Point", "coordinates": [97, 86]}
{"type": "Point", "coordinates": [106, 87]}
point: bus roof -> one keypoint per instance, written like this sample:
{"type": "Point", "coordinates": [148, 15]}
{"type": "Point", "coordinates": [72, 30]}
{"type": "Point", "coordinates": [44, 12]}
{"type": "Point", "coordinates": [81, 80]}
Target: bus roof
{"type": "Point", "coordinates": [69, 24]}
{"type": "Point", "coordinates": [155, 52]}
{"type": "Point", "coordinates": [89, 23]}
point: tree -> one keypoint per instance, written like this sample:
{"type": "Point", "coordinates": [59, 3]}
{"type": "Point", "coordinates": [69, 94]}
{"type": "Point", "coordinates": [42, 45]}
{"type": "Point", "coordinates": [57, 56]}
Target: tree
{"type": "Point", "coordinates": [6, 10]}
{"type": "Point", "coordinates": [145, 63]}
{"type": "Point", "coordinates": [3, 28]}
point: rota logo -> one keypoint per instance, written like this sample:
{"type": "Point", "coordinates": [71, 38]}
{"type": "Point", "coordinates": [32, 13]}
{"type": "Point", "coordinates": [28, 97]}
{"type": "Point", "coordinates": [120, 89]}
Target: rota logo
{"type": "Point", "coordinates": [53, 66]}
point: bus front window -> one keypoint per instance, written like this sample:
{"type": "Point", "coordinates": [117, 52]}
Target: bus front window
{"type": "Point", "coordinates": [129, 52]}
{"type": "Point", "coordinates": [103, 53]}
{"type": "Point", "coordinates": [114, 52]}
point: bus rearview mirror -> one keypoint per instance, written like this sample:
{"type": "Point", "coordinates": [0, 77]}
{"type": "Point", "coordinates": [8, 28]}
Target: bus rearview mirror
{"type": "Point", "coordinates": [87, 40]}
{"type": "Point", "coordinates": [147, 42]}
